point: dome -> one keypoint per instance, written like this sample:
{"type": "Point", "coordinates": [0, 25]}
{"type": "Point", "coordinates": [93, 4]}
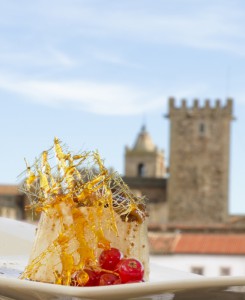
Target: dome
{"type": "Point", "coordinates": [144, 141]}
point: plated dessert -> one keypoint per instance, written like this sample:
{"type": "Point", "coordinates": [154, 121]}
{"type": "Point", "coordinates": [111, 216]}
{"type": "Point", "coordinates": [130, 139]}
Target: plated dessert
{"type": "Point", "coordinates": [92, 230]}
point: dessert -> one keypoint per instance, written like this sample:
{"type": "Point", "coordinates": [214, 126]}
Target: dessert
{"type": "Point", "coordinates": [92, 229]}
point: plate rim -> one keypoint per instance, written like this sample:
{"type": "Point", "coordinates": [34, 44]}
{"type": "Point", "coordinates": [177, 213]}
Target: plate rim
{"type": "Point", "coordinates": [133, 289]}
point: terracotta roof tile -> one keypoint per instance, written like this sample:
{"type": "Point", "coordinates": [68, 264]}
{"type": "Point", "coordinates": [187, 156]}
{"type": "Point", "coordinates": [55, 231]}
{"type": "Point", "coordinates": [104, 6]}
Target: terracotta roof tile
{"type": "Point", "coordinates": [226, 244]}
{"type": "Point", "coordinates": [211, 244]}
{"type": "Point", "coordinates": [162, 243]}
{"type": "Point", "coordinates": [9, 190]}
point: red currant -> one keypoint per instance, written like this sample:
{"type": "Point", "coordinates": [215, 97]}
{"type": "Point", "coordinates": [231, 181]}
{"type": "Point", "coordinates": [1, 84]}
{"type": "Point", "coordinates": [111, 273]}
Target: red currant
{"type": "Point", "coordinates": [118, 281]}
{"type": "Point", "coordinates": [110, 258]}
{"type": "Point", "coordinates": [108, 279]}
{"type": "Point", "coordinates": [85, 278]}
{"type": "Point", "coordinates": [120, 262]}
{"type": "Point", "coordinates": [94, 278]}
{"type": "Point", "coordinates": [130, 270]}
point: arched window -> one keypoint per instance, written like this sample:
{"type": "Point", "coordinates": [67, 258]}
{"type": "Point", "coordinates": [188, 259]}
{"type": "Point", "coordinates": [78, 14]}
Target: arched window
{"type": "Point", "coordinates": [141, 170]}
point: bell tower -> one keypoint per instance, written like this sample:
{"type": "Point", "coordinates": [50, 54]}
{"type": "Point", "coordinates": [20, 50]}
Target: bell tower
{"type": "Point", "coordinates": [145, 174]}
{"type": "Point", "coordinates": [144, 159]}
{"type": "Point", "coordinates": [197, 191]}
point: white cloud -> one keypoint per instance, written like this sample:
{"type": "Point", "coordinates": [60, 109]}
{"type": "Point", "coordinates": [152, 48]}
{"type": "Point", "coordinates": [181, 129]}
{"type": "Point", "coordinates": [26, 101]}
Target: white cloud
{"type": "Point", "coordinates": [202, 30]}
{"type": "Point", "coordinates": [115, 59]}
{"type": "Point", "coordinates": [36, 58]}
{"type": "Point", "coordinates": [61, 58]}
{"type": "Point", "coordinates": [99, 98]}
{"type": "Point", "coordinates": [211, 25]}
{"type": "Point", "coordinates": [43, 33]}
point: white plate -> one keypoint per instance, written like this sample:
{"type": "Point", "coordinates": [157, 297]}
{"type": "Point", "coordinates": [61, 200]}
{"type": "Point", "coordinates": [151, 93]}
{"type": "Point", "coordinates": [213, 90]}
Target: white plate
{"type": "Point", "coordinates": [165, 284]}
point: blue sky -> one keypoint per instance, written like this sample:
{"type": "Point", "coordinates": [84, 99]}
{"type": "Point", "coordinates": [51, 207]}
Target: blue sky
{"type": "Point", "coordinates": [91, 72]}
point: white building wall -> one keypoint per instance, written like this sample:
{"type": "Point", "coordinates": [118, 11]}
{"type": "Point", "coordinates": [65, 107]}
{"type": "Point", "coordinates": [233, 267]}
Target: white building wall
{"type": "Point", "coordinates": [211, 264]}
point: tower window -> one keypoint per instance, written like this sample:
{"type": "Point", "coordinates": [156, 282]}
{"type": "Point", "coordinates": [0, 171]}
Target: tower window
{"type": "Point", "coordinates": [141, 170]}
{"type": "Point", "coordinates": [201, 128]}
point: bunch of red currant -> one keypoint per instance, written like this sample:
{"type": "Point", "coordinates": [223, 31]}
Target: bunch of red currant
{"type": "Point", "coordinates": [114, 269]}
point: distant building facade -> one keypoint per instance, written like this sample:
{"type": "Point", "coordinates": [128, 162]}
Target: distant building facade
{"type": "Point", "coordinates": [199, 162]}
{"type": "Point", "coordinates": [144, 160]}
{"type": "Point", "coordinates": [12, 202]}
{"type": "Point", "coordinates": [220, 254]}
{"type": "Point", "coordinates": [145, 173]}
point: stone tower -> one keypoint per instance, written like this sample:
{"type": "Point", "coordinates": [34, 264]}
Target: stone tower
{"type": "Point", "coordinates": [144, 159]}
{"type": "Point", "coordinates": [145, 175]}
{"type": "Point", "coordinates": [197, 191]}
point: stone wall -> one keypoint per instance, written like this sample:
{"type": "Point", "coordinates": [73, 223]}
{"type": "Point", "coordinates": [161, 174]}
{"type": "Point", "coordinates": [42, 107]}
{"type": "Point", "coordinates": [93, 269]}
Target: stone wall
{"type": "Point", "coordinates": [153, 163]}
{"type": "Point", "coordinates": [154, 189]}
{"type": "Point", "coordinates": [199, 162]}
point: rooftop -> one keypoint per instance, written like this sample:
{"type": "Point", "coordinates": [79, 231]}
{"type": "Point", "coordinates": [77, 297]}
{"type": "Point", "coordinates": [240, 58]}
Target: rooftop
{"type": "Point", "coordinates": [144, 141]}
{"type": "Point", "coordinates": [187, 243]}
{"type": "Point", "coordinates": [9, 190]}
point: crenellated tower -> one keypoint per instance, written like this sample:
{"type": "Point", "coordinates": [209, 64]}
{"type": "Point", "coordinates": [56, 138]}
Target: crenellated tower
{"type": "Point", "coordinates": [198, 184]}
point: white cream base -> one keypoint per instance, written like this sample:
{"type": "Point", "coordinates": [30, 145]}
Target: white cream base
{"type": "Point", "coordinates": [132, 241]}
